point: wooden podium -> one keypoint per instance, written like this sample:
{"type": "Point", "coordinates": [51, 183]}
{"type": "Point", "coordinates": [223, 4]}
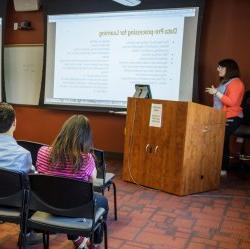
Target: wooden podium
{"type": "Point", "coordinates": [183, 155]}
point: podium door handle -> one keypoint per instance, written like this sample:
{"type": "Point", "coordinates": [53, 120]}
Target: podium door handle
{"type": "Point", "coordinates": [156, 148]}
{"type": "Point", "coordinates": [147, 146]}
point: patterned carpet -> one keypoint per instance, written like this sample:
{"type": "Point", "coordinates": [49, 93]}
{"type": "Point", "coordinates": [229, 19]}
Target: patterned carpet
{"type": "Point", "coordinates": [150, 219]}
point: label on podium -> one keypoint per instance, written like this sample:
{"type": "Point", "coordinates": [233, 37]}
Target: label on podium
{"type": "Point", "coordinates": [155, 115]}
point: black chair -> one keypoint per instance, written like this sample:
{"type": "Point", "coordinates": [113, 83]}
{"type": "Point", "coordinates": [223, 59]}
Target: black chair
{"type": "Point", "coordinates": [63, 205]}
{"type": "Point", "coordinates": [32, 147]}
{"type": "Point", "coordinates": [13, 193]}
{"type": "Point", "coordinates": [244, 130]}
{"type": "Point", "coordinates": [104, 179]}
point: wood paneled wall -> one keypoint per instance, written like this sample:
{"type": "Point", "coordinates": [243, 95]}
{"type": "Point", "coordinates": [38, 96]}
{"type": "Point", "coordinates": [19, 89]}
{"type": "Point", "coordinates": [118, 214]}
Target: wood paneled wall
{"type": "Point", "coordinates": [224, 34]}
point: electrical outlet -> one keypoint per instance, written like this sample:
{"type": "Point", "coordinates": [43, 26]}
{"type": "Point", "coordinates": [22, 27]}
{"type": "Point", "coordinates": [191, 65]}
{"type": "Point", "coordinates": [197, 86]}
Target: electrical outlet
{"type": "Point", "coordinates": [15, 26]}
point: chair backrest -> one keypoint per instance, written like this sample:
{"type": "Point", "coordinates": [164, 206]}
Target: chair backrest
{"type": "Point", "coordinates": [32, 147]}
{"type": "Point", "coordinates": [13, 185]}
{"type": "Point", "coordinates": [100, 163]}
{"type": "Point", "coordinates": [61, 196]}
{"type": "Point", "coordinates": [246, 107]}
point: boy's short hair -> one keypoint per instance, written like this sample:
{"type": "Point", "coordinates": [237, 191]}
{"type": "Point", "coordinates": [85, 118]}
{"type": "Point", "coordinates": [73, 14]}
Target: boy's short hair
{"type": "Point", "coordinates": [7, 117]}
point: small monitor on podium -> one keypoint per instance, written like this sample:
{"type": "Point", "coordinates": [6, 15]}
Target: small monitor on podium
{"type": "Point", "coordinates": [142, 91]}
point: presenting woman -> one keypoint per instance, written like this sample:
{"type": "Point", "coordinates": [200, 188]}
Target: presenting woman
{"type": "Point", "coordinates": [69, 156]}
{"type": "Point", "coordinates": [228, 97]}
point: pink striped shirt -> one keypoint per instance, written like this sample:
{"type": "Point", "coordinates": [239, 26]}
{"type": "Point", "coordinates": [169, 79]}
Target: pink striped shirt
{"type": "Point", "coordinates": [84, 173]}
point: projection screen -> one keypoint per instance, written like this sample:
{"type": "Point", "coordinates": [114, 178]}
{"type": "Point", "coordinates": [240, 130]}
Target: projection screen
{"type": "Point", "coordinates": [94, 59]}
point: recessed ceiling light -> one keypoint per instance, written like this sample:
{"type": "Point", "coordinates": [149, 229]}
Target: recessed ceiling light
{"type": "Point", "coordinates": [128, 2]}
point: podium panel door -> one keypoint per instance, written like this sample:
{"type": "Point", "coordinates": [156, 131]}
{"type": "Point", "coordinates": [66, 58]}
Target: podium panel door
{"type": "Point", "coordinates": [153, 156]}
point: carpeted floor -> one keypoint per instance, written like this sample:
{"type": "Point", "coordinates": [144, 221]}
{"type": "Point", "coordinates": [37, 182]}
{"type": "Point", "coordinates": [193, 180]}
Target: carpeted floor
{"type": "Point", "coordinates": [150, 219]}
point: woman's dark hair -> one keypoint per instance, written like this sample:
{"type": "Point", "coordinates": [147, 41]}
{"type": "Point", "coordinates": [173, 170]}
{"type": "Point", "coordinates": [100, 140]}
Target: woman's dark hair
{"type": "Point", "coordinates": [232, 69]}
{"type": "Point", "coordinates": [73, 141]}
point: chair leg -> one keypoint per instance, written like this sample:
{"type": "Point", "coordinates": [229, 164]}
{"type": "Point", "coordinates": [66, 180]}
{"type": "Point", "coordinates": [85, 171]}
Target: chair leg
{"type": "Point", "coordinates": [243, 157]}
{"type": "Point", "coordinates": [115, 200]}
{"type": "Point", "coordinates": [20, 241]}
{"type": "Point", "coordinates": [22, 237]}
{"type": "Point", "coordinates": [46, 240]}
{"type": "Point", "coordinates": [105, 235]}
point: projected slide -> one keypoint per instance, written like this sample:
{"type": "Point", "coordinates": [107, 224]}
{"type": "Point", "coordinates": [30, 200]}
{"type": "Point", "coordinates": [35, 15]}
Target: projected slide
{"type": "Point", "coordinates": [96, 59]}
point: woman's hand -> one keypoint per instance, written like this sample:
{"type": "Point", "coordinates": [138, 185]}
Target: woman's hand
{"type": "Point", "coordinates": [211, 90]}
